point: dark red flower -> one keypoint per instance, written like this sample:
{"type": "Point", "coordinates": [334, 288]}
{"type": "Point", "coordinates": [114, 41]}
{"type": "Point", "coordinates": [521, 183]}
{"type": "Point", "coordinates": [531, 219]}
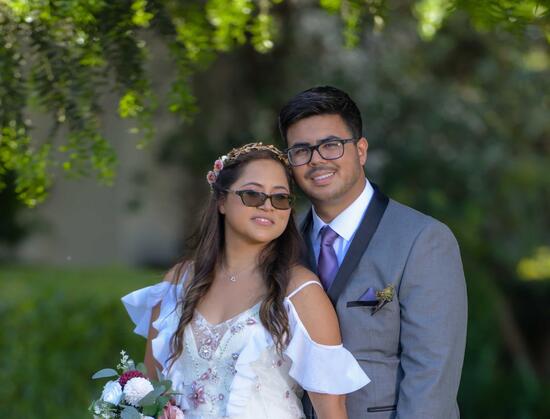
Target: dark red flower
{"type": "Point", "coordinates": [128, 375]}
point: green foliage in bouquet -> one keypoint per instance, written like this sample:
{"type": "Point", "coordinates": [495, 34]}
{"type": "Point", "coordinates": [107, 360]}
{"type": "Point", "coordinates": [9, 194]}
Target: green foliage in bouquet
{"type": "Point", "coordinates": [130, 395]}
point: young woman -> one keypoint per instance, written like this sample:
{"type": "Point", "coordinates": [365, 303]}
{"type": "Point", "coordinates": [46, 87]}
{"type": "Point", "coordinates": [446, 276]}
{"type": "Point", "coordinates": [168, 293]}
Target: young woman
{"type": "Point", "coordinates": [239, 326]}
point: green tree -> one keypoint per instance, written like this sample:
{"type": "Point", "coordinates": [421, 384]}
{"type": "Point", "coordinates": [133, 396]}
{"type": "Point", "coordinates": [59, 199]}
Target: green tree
{"type": "Point", "coordinates": [60, 56]}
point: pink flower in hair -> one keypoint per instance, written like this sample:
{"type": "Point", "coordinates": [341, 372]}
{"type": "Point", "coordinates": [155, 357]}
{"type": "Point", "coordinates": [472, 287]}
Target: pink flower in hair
{"type": "Point", "coordinates": [218, 165]}
{"type": "Point", "coordinates": [211, 177]}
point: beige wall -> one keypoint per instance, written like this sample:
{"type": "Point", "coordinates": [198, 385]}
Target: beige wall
{"type": "Point", "coordinates": [86, 223]}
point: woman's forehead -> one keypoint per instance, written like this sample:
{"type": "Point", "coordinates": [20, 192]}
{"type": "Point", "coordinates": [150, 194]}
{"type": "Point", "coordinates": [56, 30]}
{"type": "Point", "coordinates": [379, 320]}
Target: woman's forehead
{"type": "Point", "coordinates": [264, 172]}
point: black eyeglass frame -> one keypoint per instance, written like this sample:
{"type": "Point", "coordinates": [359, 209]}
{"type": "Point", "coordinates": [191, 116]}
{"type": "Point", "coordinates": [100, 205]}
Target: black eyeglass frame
{"type": "Point", "coordinates": [264, 196]}
{"type": "Point", "coordinates": [315, 147]}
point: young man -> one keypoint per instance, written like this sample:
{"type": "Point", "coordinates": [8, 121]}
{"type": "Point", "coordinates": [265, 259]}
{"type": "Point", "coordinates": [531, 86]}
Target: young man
{"type": "Point", "coordinates": [394, 275]}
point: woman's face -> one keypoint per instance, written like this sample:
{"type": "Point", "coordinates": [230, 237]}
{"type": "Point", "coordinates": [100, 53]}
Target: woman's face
{"type": "Point", "coordinates": [256, 225]}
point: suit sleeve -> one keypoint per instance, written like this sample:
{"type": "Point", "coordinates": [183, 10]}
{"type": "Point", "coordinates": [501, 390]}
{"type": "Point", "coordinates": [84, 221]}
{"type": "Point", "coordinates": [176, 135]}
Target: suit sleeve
{"type": "Point", "coordinates": [433, 305]}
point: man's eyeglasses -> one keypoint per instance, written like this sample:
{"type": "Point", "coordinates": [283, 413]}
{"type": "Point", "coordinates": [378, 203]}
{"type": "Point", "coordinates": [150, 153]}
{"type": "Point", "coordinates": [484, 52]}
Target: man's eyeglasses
{"type": "Point", "coordinates": [250, 198]}
{"type": "Point", "coordinates": [332, 149]}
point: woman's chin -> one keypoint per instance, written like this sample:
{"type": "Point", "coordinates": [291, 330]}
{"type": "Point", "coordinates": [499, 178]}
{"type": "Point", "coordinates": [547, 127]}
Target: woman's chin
{"type": "Point", "coordinates": [263, 237]}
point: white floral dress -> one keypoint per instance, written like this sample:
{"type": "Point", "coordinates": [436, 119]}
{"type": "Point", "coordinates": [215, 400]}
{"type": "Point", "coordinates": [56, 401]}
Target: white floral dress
{"type": "Point", "coordinates": [232, 370]}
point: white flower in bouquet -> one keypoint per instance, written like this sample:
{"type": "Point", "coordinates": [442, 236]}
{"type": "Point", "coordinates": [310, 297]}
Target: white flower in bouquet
{"type": "Point", "coordinates": [112, 392]}
{"type": "Point", "coordinates": [136, 389]}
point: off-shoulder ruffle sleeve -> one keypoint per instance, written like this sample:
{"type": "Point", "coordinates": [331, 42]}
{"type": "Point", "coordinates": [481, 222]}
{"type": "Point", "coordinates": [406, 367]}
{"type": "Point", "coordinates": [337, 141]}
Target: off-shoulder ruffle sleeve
{"type": "Point", "coordinates": [329, 369]}
{"type": "Point", "coordinates": [245, 376]}
{"type": "Point", "coordinates": [139, 305]}
{"type": "Point", "coordinates": [315, 367]}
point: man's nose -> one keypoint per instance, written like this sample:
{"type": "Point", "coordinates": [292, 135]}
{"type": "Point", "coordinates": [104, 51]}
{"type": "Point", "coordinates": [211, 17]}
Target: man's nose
{"type": "Point", "coordinates": [316, 157]}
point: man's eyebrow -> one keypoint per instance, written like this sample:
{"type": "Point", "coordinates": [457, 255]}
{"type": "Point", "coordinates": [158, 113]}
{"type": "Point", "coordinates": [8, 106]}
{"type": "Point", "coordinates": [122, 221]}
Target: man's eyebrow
{"type": "Point", "coordinates": [319, 141]}
{"type": "Point", "coordinates": [329, 138]}
{"type": "Point", "coordinates": [302, 144]}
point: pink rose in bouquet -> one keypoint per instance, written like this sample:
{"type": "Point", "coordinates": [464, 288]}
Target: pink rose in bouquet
{"type": "Point", "coordinates": [172, 412]}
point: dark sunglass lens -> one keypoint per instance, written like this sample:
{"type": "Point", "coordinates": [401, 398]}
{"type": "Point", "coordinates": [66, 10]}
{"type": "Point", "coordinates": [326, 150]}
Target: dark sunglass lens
{"type": "Point", "coordinates": [280, 201]}
{"type": "Point", "coordinates": [253, 198]}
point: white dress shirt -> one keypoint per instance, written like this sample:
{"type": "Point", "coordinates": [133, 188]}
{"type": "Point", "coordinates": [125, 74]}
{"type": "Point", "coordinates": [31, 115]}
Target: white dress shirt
{"type": "Point", "coordinates": [345, 224]}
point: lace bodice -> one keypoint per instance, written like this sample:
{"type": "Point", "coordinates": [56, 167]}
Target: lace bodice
{"type": "Point", "coordinates": [232, 369]}
{"type": "Point", "coordinates": [207, 337]}
{"type": "Point", "coordinates": [209, 358]}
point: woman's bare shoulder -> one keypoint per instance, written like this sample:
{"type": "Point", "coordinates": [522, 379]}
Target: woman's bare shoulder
{"type": "Point", "coordinates": [175, 273]}
{"type": "Point", "coordinates": [312, 304]}
{"type": "Point", "coordinates": [299, 275]}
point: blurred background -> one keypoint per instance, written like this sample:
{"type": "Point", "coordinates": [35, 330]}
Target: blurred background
{"type": "Point", "coordinates": [113, 112]}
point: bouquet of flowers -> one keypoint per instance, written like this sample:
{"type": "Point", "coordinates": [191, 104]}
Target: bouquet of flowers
{"type": "Point", "coordinates": [131, 395]}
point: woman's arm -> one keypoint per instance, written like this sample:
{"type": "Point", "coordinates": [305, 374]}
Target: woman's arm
{"type": "Point", "coordinates": [328, 406]}
{"type": "Point", "coordinates": [319, 318]}
{"type": "Point", "coordinates": [150, 362]}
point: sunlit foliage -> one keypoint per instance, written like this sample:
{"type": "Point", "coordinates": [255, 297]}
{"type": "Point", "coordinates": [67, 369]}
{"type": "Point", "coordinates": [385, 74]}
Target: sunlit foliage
{"type": "Point", "coordinates": [59, 57]}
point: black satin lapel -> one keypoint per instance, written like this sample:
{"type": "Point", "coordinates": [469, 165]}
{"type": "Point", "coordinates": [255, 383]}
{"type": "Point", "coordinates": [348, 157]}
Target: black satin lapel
{"type": "Point", "coordinates": [308, 407]}
{"type": "Point", "coordinates": [308, 259]}
{"type": "Point", "coordinates": [360, 243]}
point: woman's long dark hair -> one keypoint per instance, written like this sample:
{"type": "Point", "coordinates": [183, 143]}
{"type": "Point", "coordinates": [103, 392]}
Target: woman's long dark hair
{"type": "Point", "coordinates": [206, 250]}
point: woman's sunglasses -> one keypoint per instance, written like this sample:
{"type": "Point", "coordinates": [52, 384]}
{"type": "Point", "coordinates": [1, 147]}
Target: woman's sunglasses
{"type": "Point", "coordinates": [250, 198]}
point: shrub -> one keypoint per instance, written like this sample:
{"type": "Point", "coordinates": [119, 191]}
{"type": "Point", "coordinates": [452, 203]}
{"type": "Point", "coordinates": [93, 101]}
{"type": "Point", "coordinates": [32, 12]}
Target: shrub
{"type": "Point", "coordinates": [53, 338]}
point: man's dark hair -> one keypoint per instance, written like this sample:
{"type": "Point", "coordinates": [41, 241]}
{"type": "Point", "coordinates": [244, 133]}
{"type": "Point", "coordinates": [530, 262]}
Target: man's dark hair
{"type": "Point", "coordinates": [321, 100]}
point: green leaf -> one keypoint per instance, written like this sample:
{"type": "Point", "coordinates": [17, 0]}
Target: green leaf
{"type": "Point", "coordinates": [151, 397]}
{"type": "Point", "coordinates": [104, 373]}
{"type": "Point", "coordinates": [166, 383]}
{"type": "Point", "coordinates": [163, 401]}
{"type": "Point", "coordinates": [151, 410]}
{"type": "Point", "coordinates": [130, 412]}
{"type": "Point", "coordinates": [141, 368]}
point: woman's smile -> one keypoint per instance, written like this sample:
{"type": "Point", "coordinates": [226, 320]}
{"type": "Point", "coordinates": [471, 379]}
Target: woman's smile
{"type": "Point", "coordinates": [263, 221]}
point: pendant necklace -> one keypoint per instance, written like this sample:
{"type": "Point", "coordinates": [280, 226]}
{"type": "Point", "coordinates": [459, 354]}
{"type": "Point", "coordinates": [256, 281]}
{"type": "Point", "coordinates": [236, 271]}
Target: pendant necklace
{"type": "Point", "coordinates": [231, 276]}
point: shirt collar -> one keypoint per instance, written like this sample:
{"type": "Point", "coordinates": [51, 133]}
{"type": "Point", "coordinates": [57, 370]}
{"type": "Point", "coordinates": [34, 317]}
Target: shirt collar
{"type": "Point", "coordinates": [346, 223]}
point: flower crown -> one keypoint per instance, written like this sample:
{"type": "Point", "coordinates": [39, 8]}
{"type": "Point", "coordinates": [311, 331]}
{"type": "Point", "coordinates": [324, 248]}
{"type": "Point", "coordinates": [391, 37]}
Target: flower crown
{"type": "Point", "coordinates": [235, 153]}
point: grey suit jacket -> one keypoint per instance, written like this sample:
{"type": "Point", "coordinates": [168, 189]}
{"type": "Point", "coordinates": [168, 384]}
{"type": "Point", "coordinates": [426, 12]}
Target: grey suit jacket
{"type": "Point", "coordinates": [413, 347]}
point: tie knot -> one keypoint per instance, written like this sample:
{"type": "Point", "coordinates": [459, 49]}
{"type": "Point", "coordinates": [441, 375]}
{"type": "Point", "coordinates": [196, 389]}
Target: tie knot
{"type": "Point", "coordinates": [328, 236]}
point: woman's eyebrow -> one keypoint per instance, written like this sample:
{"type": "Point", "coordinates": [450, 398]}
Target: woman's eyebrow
{"type": "Point", "coordinates": [280, 187]}
{"type": "Point", "coordinates": [259, 185]}
{"type": "Point", "coordinates": [253, 184]}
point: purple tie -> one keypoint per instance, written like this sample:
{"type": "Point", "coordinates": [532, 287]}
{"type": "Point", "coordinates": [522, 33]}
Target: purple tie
{"type": "Point", "coordinates": [327, 265]}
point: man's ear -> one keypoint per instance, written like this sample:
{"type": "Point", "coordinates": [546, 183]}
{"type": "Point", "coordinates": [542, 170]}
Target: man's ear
{"type": "Point", "coordinates": [362, 148]}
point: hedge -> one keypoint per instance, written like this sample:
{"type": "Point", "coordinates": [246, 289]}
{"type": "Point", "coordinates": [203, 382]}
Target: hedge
{"type": "Point", "coordinates": [57, 328]}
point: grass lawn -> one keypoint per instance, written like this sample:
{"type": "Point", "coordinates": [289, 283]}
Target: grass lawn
{"type": "Point", "coordinates": [93, 284]}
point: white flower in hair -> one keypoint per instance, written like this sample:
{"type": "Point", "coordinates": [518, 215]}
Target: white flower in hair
{"type": "Point", "coordinates": [136, 389]}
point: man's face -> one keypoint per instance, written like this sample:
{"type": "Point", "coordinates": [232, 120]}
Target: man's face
{"type": "Point", "coordinates": [328, 181]}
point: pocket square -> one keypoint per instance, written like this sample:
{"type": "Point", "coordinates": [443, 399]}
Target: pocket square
{"type": "Point", "coordinates": [373, 298]}
{"type": "Point", "coordinates": [368, 299]}
{"type": "Point", "coordinates": [369, 295]}
{"type": "Point", "coordinates": [360, 303]}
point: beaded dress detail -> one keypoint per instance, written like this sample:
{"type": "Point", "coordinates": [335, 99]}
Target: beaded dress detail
{"type": "Point", "coordinates": [232, 369]}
